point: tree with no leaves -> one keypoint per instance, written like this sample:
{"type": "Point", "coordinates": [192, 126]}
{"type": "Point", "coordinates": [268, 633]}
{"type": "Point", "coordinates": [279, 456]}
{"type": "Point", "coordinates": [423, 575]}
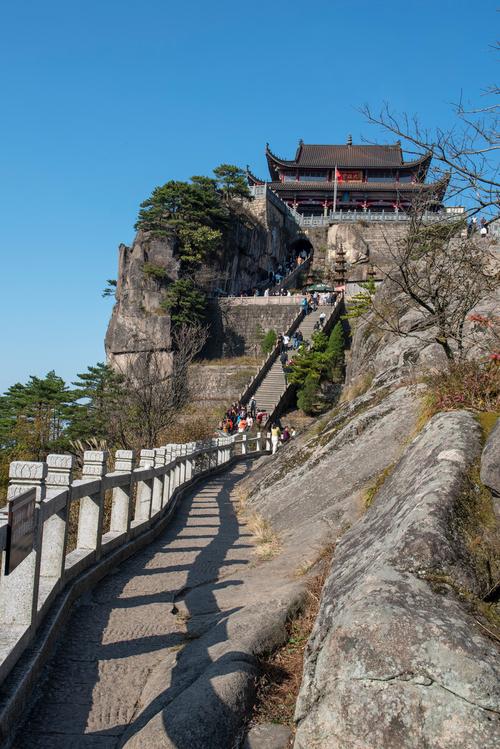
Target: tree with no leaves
{"type": "Point", "coordinates": [152, 396]}
{"type": "Point", "coordinates": [436, 276]}
{"type": "Point", "coordinates": [469, 149]}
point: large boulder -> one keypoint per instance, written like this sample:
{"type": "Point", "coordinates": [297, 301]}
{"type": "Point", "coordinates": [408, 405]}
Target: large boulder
{"type": "Point", "coordinates": [392, 663]}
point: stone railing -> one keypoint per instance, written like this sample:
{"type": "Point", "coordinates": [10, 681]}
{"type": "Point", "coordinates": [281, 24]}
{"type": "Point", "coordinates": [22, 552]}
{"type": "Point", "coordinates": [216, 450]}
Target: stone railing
{"type": "Point", "coordinates": [255, 301]}
{"type": "Point", "coordinates": [268, 362]}
{"type": "Point", "coordinates": [382, 216]}
{"type": "Point", "coordinates": [105, 516]}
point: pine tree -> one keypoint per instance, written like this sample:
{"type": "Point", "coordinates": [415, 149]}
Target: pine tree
{"type": "Point", "coordinates": [307, 397]}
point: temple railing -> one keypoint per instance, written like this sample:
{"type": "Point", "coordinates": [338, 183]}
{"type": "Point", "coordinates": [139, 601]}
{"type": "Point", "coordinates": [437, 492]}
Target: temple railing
{"type": "Point", "coordinates": [57, 531]}
{"type": "Point", "coordinates": [429, 217]}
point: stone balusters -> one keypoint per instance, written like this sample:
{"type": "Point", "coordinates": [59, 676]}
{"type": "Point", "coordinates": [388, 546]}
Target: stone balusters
{"type": "Point", "coordinates": [144, 487]}
{"type": "Point", "coordinates": [92, 506]}
{"type": "Point", "coordinates": [19, 590]}
{"type": "Point", "coordinates": [168, 478]}
{"type": "Point", "coordinates": [121, 503]}
{"type": "Point", "coordinates": [157, 497]}
{"type": "Point", "coordinates": [55, 527]}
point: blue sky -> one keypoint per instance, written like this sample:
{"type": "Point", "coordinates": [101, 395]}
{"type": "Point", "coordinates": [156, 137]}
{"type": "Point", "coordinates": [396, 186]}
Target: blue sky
{"type": "Point", "coordinates": [101, 101]}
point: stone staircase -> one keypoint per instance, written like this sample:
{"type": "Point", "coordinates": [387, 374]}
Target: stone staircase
{"type": "Point", "coordinates": [274, 384]}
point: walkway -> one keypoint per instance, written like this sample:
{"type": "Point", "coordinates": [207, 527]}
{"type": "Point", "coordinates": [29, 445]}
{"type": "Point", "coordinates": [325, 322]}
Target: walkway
{"type": "Point", "coordinates": [136, 620]}
{"type": "Point", "coordinates": [274, 383]}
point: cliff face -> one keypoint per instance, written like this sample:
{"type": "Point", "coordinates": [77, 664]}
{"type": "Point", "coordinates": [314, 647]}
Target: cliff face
{"type": "Point", "coordinates": [137, 323]}
{"type": "Point", "coordinates": [258, 239]}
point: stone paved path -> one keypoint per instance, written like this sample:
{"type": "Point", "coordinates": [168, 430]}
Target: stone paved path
{"type": "Point", "coordinates": [125, 627]}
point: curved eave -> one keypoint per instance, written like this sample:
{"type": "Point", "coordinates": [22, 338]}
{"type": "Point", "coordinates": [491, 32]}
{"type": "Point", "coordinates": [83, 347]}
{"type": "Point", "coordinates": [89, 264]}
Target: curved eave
{"type": "Point", "coordinates": [252, 179]}
{"type": "Point", "coordinates": [274, 161]}
{"type": "Point", "coordinates": [421, 164]}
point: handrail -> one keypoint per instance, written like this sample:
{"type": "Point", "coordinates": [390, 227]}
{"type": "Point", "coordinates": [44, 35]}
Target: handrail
{"type": "Point", "coordinates": [34, 532]}
{"type": "Point", "coordinates": [333, 317]}
{"type": "Point", "coordinates": [268, 363]}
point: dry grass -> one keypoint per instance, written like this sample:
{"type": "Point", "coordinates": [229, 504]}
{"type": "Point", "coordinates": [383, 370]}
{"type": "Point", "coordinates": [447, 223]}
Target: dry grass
{"type": "Point", "coordinates": [359, 387]}
{"type": "Point", "coordinates": [281, 677]}
{"type": "Point", "coordinates": [267, 540]}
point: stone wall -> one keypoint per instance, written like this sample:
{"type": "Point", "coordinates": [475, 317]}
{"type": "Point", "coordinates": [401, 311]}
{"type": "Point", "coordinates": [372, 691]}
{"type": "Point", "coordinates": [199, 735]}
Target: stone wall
{"type": "Point", "coordinates": [236, 326]}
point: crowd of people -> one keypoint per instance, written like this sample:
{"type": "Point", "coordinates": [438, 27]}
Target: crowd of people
{"type": "Point", "coordinates": [239, 419]}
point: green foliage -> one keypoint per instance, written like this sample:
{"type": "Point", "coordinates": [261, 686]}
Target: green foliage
{"type": "Point", "coordinates": [198, 242]}
{"type": "Point", "coordinates": [158, 272]}
{"type": "Point", "coordinates": [33, 417]}
{"type": "Point", "coordinates": [307, 397]}
{"type": "Point", "coordinates": [324, 360]}
{"type": "Point", "coordinates": [362, 301]}
{"type": "Point", "coordinates": [267, 341]}
{"type": "Point", "coordinates": [97, 396]}
{"type": "Point", "coordinates": [110, 289]}
{"type": "Point", "coordinates": [231, 181]}
{"type": "Point", "coordinates": [335, 353]}
{"type": "Point", "coordinates": [177, 204]}
{"type": "Point", "coordinates": [185, 302]}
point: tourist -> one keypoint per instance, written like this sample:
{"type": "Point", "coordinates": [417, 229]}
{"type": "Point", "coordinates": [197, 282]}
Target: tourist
{"type": "Point", "coordinates": [275, 437]}
{"type": "Point", "coordinates": [253, 407]}
{"type": "Point", "coordinates": [317, 326]}
{"type": "Point", "coordinates": [305, 306]}
{"type": "Point", "coordinates": [249, 422]}
{"type": "Point", "coordinates": [284, 358]}
{"type": "Point", "coordinates": [484, 231]}
{"type": "Point", "coordinates": [286, 341]}
{"type": "Point", "coordinates": [322, 319]}
{"type": "Point", "coordinates": [242, 425]}
{"type": "Point", "coordinates": [266, 292]}
{"type": "Point", "coordinates": [286, 435]}
{"type": "Point", "coordinates": [299, 338]}
{"type": "Point", "coordinates": [293, 432]}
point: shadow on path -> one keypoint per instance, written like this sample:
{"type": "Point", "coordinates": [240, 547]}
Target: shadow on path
{"type": "Point", "coordinates": [128, 627]}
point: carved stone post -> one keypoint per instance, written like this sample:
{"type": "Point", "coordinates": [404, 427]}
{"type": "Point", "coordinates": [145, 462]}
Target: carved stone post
{"type": "Point", "coordinates": [268, 442]}
{"type": "Point", "coordinates": [92, 507]}
{"type": "Point", "coordinates": [121, 503]}
{"type": "Point", "coordinates": [189, 462]}
{"type": "Point", "coordinates": [144, 488]}
{"type": "Point", "coordinates": [184, 452]}
{"type": "Point", "coordinates": [19, 590]}
{"type": "Point", "coordinates": [157, 499]}
{"type": "Point", "coordinates": [257, 443]}
{"type": "Point", "coordinates": [177, 469]}
{"type": "Point", "coordinates": [167, 479]}
{"type": "Point", "coordinates": [55, 528]}
{"type": "Point", "coordinates": [244, 446]}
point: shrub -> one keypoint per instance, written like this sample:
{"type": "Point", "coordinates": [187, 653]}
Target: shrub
{"type": "Point", "coordinates": [307, 397]}
{"type": "Point", "coordinates": [158, 272]}
{"type": "Point", "coordinates": [465, 384]}
{"type": "Point", "coordinates": [268, 341]}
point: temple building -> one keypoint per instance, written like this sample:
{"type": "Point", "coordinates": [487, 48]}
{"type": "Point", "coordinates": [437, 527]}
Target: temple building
{"type": "Point", "coordinates": [329, 178]}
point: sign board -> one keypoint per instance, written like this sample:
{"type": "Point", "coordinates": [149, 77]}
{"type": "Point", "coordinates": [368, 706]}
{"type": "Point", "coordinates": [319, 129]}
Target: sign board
{"type": "Point", "coordinates": [20, 529]}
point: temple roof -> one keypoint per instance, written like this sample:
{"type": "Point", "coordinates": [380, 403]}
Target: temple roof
{"type": "Point", "coordinates": [353, 156]}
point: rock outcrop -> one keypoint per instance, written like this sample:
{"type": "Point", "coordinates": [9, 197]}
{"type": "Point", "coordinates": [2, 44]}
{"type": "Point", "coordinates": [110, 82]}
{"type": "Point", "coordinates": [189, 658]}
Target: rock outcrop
{"type": "Point", "coordinates": [138, 325]}
{"type": "Point", "coordinates": [393, 662]}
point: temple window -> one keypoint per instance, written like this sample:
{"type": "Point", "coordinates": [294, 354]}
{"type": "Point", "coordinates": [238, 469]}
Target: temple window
{"type": "Point", "coordinates": [318, 177]}
{"type": "Point", "coordinates": [289, 176]}
{"type": "Point", "coordinates": [406, 177]}
{"type": "Point", "coordinates": [381, 175]}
